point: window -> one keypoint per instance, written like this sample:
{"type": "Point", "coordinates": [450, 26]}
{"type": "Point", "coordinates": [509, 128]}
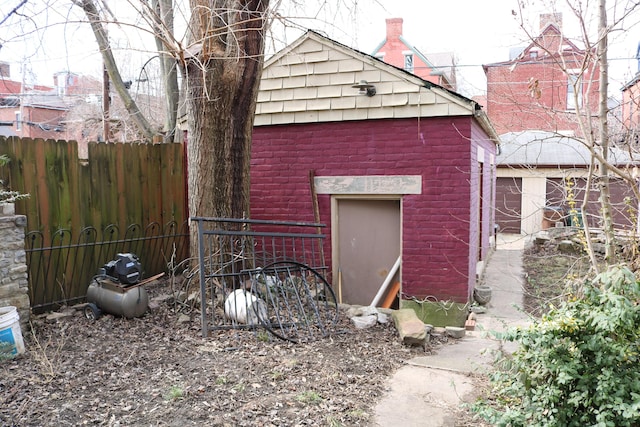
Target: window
{"type": "Point", "coordinates": [408, 62]}
{"type": "Point", "coordinates": [18, 120]}
{"type": "Point", "coordinates": [533, 54]}
{"type": "Point", "coordinates": [574, 84]}
{"type": "Point", "coordinates": [63, 83]}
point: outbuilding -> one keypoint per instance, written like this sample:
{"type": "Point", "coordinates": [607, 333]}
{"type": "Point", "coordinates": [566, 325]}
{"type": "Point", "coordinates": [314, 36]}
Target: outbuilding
{"type": "Point", "coordinates": [403, 171]}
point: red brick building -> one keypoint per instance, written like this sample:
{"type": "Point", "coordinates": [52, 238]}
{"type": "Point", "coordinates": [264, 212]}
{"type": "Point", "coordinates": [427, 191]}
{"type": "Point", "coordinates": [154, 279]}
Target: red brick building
{"type": "Point", "coordinates": [631, 107]}
{"type": "Point", "coordinates": [30, 111]}
{"type": "Point", "coordinates": [397, 51]}
{"type": "Point", "coordinates": [404, 170]}
{"type": "Point", "coordinates": [71, 110]}
{"type": "Point", "coordinates": [544, 87]}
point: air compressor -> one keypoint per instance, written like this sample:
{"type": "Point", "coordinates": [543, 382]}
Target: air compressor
{"type": "Point", "coordinates": [116, 289]}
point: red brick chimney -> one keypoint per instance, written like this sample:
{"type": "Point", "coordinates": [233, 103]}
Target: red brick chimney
{"type": "Point", "coordinates": [394, 28]}
{"type": "Point", "coordinates": [550, 18]}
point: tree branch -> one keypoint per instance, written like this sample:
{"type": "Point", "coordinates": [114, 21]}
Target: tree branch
{"type": "Point", "coordinates": [90, 10]}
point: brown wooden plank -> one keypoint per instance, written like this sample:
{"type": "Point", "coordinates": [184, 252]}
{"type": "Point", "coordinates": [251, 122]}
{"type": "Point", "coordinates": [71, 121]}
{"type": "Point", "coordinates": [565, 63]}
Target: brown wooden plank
{"type": "Point", "coordinates": [509, 204]}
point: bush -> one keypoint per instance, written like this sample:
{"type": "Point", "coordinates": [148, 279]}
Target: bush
{"type": "Point", "coordinates": [6, 195]}
{"type": "Point", "coordinates": [577, 365]}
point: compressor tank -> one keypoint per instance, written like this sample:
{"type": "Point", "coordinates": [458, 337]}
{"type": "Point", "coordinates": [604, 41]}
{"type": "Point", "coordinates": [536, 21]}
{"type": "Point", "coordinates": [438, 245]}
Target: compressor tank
{"type": "Point", "coordinates": [116, 299]}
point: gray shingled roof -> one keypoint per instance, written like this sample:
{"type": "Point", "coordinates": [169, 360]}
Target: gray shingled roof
{"type": "Point", "coordinates": [541, 148]}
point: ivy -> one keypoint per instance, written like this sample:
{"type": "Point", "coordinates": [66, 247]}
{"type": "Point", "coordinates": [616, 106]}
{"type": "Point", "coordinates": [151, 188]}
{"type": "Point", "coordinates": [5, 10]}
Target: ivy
{"type": "Point", "coordinates": [577, 365]}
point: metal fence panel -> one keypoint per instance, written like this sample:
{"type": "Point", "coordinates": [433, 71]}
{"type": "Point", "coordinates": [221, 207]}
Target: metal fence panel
{"type": "Point", "coordinates": [61, 266]}
{"type": "Point", "coordinates": [269, 275]}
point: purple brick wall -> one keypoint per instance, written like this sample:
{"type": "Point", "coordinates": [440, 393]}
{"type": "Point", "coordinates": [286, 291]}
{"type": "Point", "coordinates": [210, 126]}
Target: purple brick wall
{"type": "Point", "coordinates": [439, 225]}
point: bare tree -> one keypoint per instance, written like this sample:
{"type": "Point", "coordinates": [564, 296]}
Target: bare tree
{"type": "Point", "coordinates": [13, 11]}
{"type": "Point", "coordinates": [603, 111]}
{"type": "Point", "coordinates": [592, 120]}
{"type": "Point", "coordinates": [91, 11]}
{"type": "Point", "coordinates": [162, 19]}
{"type": "Point", "coordinates": [222, 71]}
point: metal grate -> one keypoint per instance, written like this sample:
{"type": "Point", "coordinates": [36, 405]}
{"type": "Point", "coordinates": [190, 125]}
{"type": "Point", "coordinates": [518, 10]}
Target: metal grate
{"type": "Point", "coordinates": [262, 275]}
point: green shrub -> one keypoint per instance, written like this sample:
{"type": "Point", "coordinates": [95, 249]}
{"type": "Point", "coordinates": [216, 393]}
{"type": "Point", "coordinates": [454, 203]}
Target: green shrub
{"type": "Point", "coordinates": [6, 195]}
{"type": "Point", "coordinates": [577, 365]}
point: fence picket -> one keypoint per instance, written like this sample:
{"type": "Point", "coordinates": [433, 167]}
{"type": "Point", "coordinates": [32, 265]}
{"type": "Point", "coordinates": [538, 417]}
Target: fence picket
{"type": "Point", "coordinates": [82, 212]}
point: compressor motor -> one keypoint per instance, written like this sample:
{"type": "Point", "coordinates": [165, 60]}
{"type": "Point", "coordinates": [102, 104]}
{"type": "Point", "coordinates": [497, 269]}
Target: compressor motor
{"type": "Point", "coordinates": [125, 269]}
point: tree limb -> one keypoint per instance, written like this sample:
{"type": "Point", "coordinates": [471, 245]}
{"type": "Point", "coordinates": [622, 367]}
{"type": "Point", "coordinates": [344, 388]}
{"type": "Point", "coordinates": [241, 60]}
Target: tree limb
{"type": "Point", "coordinates": [90, 10]}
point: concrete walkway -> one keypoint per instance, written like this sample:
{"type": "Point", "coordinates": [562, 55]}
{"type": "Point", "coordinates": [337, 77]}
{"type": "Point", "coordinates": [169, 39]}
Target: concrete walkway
{"type": "Point", "coordinates": [426, 391]}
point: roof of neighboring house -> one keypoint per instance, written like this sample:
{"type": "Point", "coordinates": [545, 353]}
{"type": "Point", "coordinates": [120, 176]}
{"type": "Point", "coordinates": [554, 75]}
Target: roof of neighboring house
{"type": "Point", "coordinates": [50, 100]}
{"type": "Point", "coordinates": [631, 82]}
{"type": "Point", "coordinates": [38, 96]}
{"type": "Point", "coordinates": [312, 80]}
{"type": "Point", "coordinates": [10, 87]}
{"type": "Point", "coordinates": [541, 43]}
{"type": "Point", "coordinates": [540, 148]}
{"type": "Point", "coordinates": [6, 129]}
{"type": "Point", "coordinates": [440, 63]}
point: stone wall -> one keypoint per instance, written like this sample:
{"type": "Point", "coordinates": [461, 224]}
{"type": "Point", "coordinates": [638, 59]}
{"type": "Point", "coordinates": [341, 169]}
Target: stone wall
{"type": "Point", "coordinates": [14, 283]}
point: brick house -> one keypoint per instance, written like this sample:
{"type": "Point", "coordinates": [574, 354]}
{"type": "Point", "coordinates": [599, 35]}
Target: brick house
{"type": "Point", "coordinates": [531, 91]}
{"type": "Point", "coordinates": [631, 108]}
{"type": "Point", "coordinates": [396, 50]}
{"type": "Point", "coordinates": [404, 169]}
{"type": "Point", "coordinates": [533, 101]}
{"type": "Point", "coordinates": [70, 110]}
{"type": "Point", "coordinates": [30, 111]}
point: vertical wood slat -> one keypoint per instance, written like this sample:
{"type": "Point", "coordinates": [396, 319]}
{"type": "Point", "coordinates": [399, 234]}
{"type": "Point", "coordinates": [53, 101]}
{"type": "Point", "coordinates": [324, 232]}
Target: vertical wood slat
{"type": "Point", "coordinates": [120, 184]}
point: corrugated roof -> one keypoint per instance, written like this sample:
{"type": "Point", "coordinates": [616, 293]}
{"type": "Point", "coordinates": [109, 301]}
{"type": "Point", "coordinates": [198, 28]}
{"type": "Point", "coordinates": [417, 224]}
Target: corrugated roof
{"type": "Point", "coordinates": [541, 148]}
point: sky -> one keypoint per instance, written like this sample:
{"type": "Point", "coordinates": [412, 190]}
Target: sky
{"type": "Point", "coordinates": [477, 32]}
{"type": "Point", "coordinates": [483, 32]}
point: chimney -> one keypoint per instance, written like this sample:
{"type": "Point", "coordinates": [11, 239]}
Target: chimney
{"type": "Point", "coordinates": [394, 28]}
{"type": "Point", "coordinates": [5, 69]}
{"type": "Point", "coordinates": [550, 18]}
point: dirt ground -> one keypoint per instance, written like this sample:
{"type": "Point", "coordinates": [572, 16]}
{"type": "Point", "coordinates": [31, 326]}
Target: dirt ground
{"type": "Point", "coordinates": [157, 371]}
{"type": "Point", "coordinates": [548, 275]}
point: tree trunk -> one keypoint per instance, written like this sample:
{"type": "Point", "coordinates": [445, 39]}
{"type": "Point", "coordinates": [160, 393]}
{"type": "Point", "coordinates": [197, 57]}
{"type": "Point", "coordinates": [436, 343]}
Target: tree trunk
{"type": "Point", "coordinates": [605, 196]}
{"type": "Point", "coordinates": [222, 80]}
{"type": "Point", "coordinates": [163, 27]}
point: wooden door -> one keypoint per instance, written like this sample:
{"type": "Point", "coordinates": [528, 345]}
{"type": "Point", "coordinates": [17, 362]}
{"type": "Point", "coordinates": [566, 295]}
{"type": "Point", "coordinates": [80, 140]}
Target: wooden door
{"type": "Point", "coordinates": [509, 204]}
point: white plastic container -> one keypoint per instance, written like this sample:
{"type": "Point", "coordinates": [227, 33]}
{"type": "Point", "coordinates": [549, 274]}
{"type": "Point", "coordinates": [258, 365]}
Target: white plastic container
{"type": "Point", "coordinates": [244, 307]}
{"type": "Point", "coordinates": [10, 331]}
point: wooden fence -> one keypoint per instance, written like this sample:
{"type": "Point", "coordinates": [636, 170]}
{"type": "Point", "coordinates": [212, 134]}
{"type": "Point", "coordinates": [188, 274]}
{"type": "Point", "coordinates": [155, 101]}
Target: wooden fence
{"type": "Point", "coordinates": [120, 185]}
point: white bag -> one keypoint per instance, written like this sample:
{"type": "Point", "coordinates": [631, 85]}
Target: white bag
{"type": "Point", "coordinates": [244, 307]}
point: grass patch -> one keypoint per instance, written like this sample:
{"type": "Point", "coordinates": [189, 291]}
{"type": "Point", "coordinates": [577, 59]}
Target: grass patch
{"type": "Point", "coordinates": [309, 398]}
{"type": "Point", "coordinates": [175, 393]}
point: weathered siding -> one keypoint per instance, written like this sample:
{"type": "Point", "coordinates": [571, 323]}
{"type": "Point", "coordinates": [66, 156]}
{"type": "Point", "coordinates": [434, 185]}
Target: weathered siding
{"type": "Point", "coordinates": [436, 225]}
